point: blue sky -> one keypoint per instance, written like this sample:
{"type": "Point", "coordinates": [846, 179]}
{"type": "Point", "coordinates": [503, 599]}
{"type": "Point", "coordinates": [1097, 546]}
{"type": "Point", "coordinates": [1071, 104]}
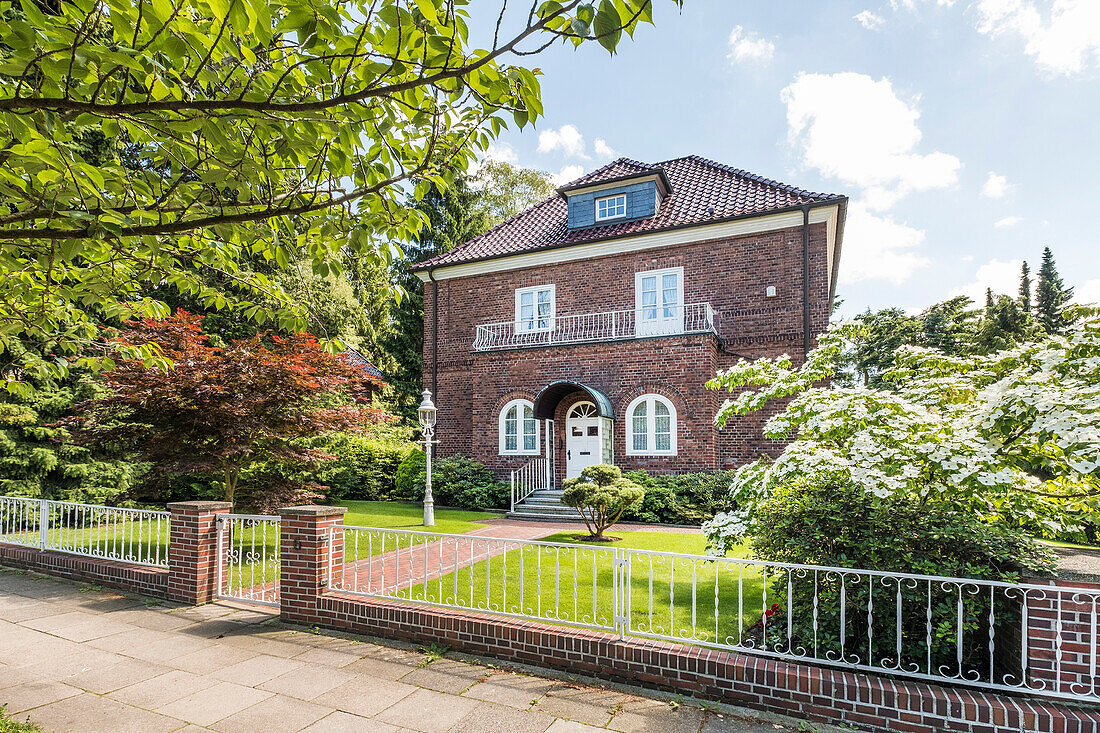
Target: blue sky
{"type": "Point", "coordinates": [963, 131]}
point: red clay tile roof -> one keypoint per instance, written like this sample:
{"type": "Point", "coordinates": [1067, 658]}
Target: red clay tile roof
{"type": "Point", "coordinates": [703, 192]}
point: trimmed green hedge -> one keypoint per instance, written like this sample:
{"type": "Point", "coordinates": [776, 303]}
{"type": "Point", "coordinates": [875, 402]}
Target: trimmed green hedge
{"type": "Point", "coordinates": [457, 482]}
{"type": "Point", "coordinates": [364, 468]}
{"type": "Point", "coordinates": [686, 498]}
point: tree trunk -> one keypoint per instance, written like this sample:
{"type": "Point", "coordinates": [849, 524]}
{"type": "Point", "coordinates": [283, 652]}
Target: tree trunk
{"type": "Point", "coordinates": [232, 473]}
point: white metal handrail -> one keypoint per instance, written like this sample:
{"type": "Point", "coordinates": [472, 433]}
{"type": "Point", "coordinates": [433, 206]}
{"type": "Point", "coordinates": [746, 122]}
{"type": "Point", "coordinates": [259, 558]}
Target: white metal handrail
{"type": "Point", "coordinates": [527, 479]}
{"type": "Point", "coordinates": [616, 325]}
{"type": "Point", "coordinates": [1031, 638]}
{"type": "Point", "coordinates": [93, 530]}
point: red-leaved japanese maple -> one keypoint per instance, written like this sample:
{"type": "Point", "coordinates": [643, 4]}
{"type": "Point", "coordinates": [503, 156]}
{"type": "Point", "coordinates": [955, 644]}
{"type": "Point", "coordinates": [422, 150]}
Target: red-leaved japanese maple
{"type": "Point", "coordinates": [221, 409]}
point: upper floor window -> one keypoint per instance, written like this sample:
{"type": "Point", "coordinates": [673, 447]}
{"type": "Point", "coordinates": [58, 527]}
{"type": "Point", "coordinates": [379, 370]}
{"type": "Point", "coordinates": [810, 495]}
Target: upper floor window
{"type": "Point", "coordinates": [535, 308]}
{"type": "Point", "coordinates": [659, 301]}
{"type": "Point", "coordinates": [611, 207]}
{"type": "Point", "coordinates": [519, 433]}
{"type": "Point", "coordinates": [651, 427]}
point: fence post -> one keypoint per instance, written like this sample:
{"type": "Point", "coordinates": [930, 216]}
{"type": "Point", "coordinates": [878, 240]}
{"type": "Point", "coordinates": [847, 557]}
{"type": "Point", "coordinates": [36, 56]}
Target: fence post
{"type": "Point", "coordinates": [617, 592]}
{"type": "Point", "coordinates": [193, 550]}
{"type": "Point", "coordinates": [43, 524]}
{"type": "Point", "coordinates": [311, 552]}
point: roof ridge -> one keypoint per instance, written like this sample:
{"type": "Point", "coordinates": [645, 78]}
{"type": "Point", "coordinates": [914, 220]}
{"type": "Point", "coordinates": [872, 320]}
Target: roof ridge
{"type": "Point", "coordinates": [755, 177]}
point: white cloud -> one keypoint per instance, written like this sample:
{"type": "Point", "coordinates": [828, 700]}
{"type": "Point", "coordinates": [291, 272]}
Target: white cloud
{"type": "Point", "coordinates": [749, 47]}
{"type": "Point", "coordinates": [995, 187]}
{"type": "Point", "coordinates": [1087, 292]}
{"type": "Point", "coordinates": [1002, 277]}
{"type": "Point", "coordinates": [1065, 41]}
{"type": "Point", "coordinates": [851, 127]}
{"type": "Point", "coordinates": [566, 138]}
{"type": "Point", "coordinates": [912, 4]}
{"type": "Point", "coordinates": [567, 174]}
{"type": "Point", "coordinates": [869, 20]}
{"type": "Point", "coordinates": [879, 248]}
{"type": "Point", "coordinates": [603, 149]}
{"type": "Point", "coordinates": [502, 152]}
{"type": "Point", "coordinates": [1008, 221]}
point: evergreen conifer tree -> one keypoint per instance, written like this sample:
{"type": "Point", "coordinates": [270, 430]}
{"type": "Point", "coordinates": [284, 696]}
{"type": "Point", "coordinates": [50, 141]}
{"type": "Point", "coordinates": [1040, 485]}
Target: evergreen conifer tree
{"type": "Point", "coordinates": [1051, 296]}
{"type": "Point", "coordinates": [1025, 288]}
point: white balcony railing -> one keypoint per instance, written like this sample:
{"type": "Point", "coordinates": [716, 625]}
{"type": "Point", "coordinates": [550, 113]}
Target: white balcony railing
{"type": "Point", "coordinates": [618, 325]}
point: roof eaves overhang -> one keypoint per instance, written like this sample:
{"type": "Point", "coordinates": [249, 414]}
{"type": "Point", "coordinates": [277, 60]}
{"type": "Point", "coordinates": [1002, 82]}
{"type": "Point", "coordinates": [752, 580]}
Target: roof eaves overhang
{"type": "Point", "coordinates": [658, 173]}
{"type": "Point", "coordinates": [840, 201]}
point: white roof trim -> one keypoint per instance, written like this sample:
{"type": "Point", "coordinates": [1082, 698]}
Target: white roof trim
{"type": "Point", "coordinates": [704, 232]}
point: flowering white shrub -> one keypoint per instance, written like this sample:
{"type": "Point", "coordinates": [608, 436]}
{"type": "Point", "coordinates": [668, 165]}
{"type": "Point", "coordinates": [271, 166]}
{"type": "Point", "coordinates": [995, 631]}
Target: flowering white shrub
{"type": "Point", "coordinates": [1011, 436]}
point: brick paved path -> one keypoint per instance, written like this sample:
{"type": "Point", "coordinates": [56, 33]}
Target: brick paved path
{"type": "Point", "coordinates": [76, 660]}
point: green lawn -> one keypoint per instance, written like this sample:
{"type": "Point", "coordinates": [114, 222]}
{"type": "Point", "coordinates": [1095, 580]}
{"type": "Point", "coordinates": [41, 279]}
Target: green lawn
{"type": "Point", "coordinates": [573, 585]}
{"type": "Point", "coordinates": [391, 515]}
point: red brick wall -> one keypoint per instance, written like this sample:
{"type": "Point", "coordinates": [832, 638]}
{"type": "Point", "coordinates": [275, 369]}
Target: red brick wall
{"type": "Point", "coordinates": [1062, 639]}
{"type": "Point", "coordinates": [142, 579]}
{"type": "Point", "coordinates": [731, 274]}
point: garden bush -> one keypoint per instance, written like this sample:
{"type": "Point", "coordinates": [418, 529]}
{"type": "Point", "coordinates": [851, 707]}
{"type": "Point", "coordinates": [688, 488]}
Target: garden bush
{"type": "Point", "coordinates": [457, 482]}
{"type": "Point", "coordinates": [364, 469]}
{"type": "Point", "coordinates": [602, 495]}
{"type": "Point", "coordinates": [686, 498]}
{"type": "Point", "coordinates": [846, 526]}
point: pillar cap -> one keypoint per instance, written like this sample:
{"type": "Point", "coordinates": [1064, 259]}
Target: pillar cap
{"type": "Point", "coordinates": [199, 506]}
{"type": "Point", "coordinates": [312, 511]}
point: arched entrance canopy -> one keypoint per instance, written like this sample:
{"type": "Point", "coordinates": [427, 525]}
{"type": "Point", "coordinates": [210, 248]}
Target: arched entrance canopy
{"type": "Point", "coordinates": [553, 393]}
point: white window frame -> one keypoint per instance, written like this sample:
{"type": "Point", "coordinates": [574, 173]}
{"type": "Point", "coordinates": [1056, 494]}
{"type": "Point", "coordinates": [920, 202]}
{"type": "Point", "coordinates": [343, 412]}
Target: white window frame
{"type": "Point", "coordinates": [660, 324]}
{"type": "Point", "coordinates": [606, 216]}
{"type": "Point", "coordinates": [519, 405]}
{"type": "Point", "coordinates": [651, 429]}
{"type": "Point", "coordinates": [535, 290]}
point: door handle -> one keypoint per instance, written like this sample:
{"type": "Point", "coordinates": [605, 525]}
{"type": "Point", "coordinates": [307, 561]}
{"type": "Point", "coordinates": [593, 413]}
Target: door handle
{"type": "Point", "coordinates": [568, 455]}
{"type": "Point", "coordinates": [586, 453]}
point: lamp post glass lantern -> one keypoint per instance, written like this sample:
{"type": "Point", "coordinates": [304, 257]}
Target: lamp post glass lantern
{"type": "Point", "coordinates": [426, 416]}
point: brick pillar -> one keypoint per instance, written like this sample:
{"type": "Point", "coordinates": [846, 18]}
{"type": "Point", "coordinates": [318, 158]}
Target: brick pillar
{"type": "Point", "coordinates": [192, 550]}
{"type": "Point", "coordinates": [305, 561]}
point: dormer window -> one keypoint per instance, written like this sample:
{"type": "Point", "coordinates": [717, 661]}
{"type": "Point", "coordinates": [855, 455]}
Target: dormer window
{"type": "Point", "coordinates": [611, 207]}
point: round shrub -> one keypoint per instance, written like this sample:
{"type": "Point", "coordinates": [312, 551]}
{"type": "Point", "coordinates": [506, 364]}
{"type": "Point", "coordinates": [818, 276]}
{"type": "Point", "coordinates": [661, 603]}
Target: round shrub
{"type": "Point", "coordinates": [409, 479]}
{"type": "Point", "coordinates": [602, 494]}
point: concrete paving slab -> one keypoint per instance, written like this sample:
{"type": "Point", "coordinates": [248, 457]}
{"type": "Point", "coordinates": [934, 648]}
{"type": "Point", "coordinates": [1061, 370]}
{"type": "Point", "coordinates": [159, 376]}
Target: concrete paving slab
{"type": "Point", "coordinates": [162, 689]}
{"type": "Point", "coordinates": [638, 715]}
{"type": "Point", "coordinates": [341, 722]}
{"type": "Point", "coordinates": [328, 657]}
{"type": "Point", "coordinates": [365, 696]}
{"type": "Point", "coordinates": [572, 726]}
{"type": "Point", "coordinates": [88, 713]}
{"type": "Point", "coordinates": [307, 681]}
{"type": "Point", "coordinates": [428, 711]}
{"type": "Point", "coordinates": [514, 690]}
{"type": "Point", "coordinates": [102, 680]}
{"type": "Point", "coordinates": [445, 675]}
{"type": "Point", "coordinates": [215, 703]}
{"type": "Point", "coordinates": [277, 715]}
{"type": "Point", "coordinates": [33, 694]}
{"type": "Point", "coordinates": [210, 660]}
{"type": "Point", "coordinates": [488, 717]}
{"type": "Point", "coordinates": [720, 723]}
{"type": "Point", "coordinates": [582, 704]}
{"type": "Point", "coordinates": [257, 670]}
{"type": "Point", "coordinates": [380, 668]}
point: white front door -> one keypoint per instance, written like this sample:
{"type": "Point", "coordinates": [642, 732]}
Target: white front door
{"type": "Point", "coordinates": [582, 438]}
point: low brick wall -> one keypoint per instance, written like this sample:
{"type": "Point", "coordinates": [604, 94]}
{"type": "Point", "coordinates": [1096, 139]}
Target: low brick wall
{"type": "Point", "coordinates": [812, 693]}
{"type": "Point", "coordinates": [817, 694]}
{"type": "Point", "coordinates": [141, 579]}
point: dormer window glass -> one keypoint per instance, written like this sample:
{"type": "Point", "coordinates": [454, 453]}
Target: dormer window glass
{"type": "Point", "coordinates": [611, 207]}
{"type": "Point", "coordinates": [535, 309]}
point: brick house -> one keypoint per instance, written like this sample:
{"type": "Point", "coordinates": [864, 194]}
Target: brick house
{"type": "Point", "coordinates": [583, 330]}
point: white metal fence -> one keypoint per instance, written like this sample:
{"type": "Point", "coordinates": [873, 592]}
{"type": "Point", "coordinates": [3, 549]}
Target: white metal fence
{"type": "Point", "coordinates": [248, 558]}
{"type": "Point", "coordinates": [527, 479]}
{"type": "Point", "coordinates": [1038, 639]}
{"type": "Point", "coordinates": [115, 533]}
{"type": "Point", "coordinates": [606, 326]}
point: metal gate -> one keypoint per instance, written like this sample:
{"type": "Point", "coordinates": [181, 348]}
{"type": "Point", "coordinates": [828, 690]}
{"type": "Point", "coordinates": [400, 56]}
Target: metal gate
{"type": "Point", "coordinates": [248, 558]}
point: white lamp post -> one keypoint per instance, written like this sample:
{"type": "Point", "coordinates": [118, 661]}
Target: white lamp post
{"type": "Point", "coordinates": [426, 415]}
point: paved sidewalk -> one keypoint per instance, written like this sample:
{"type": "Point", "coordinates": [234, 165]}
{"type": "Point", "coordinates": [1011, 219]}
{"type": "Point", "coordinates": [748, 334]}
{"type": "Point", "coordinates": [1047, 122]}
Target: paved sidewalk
{"type": "Point", "coordinates": [74, 658]}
